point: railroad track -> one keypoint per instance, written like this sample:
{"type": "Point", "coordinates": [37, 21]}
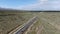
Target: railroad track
{"type": "Point", "coordinates": [26, 26]}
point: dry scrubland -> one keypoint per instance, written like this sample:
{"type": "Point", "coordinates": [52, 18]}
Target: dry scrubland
{"type": "Point", "coordinates": [34, 29]}
{"type": "Point", "coordinates": [10, 20]}
{"type": "Point", "coordinates": [49, 20]}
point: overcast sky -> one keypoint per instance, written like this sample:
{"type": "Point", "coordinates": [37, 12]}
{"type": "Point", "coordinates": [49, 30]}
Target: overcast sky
{"type": "Point", "coordinates": [31, 4]}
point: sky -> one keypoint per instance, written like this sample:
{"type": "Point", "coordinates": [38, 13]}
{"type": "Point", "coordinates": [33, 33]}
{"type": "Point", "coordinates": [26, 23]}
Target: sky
{"type": "Point", "coordinates": [31, 4]}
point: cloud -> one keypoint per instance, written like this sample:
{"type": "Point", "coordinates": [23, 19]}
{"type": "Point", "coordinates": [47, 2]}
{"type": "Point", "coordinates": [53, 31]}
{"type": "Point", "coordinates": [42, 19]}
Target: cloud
{"type": "Point", "coordinates": [30, 6]}
{"type": "Point", "coordinates": [38, 4]}
{"type": "Point", "coordinates": [42, 5]}
{"type": "Point", "coordinates": [7, 6]}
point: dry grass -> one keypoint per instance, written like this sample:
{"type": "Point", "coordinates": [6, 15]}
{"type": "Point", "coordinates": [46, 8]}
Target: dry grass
{"type": "Point", "coordinates": [34, 28]}
{"type": "Point", "coordinates": [9, 20]}
{"type": "Point", "coordinates": [50, 21]}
